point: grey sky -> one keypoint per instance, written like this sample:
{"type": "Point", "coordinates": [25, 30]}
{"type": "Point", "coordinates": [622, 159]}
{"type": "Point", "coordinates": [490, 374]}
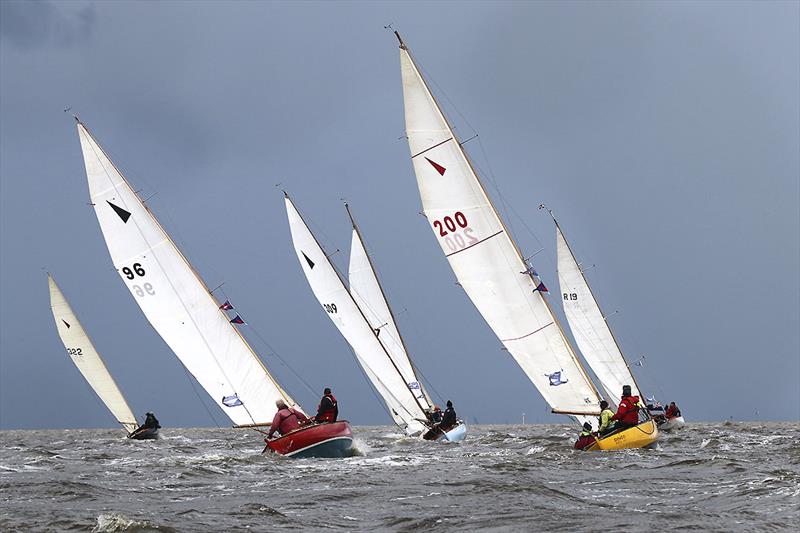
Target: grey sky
{"type": "Point", "coordinates": [664, 135]}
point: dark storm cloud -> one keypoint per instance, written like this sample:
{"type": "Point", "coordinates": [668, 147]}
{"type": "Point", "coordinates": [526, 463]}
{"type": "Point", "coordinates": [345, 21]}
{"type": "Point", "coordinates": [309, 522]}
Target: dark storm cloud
{"type": "Point", "coordinates": [665, 136]}
{"type": "Point", "coordinates": [39, 23]}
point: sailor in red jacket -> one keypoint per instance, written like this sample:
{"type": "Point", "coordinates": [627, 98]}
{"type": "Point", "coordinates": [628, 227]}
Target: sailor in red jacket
{"type": "Point", "coordinates": [672, 411]}
{"type": "Point", "coordinates": [286, 419]}
{"type": "Point", "coordinates": [328, 409]}
{"type": "Point", "coordinates": [586, 437]}
{"type": "Point", "coordinates": [628, 411]}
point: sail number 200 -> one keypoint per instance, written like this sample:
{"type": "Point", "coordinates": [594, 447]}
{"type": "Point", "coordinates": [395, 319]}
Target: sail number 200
{"type": "Point", "coordinates": [449, 227]}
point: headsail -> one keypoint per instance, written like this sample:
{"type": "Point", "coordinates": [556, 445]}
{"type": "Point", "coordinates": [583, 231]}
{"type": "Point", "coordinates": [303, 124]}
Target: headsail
{"type": "Point", "coordinates": [174, 299]}
{"type": "Point", "coordinates": [588, 325]}
{"type": "Point", "coordinates": [83, 353]}
{"type": "Point", "coordinates": [369, 295]}
{"type": "Point", "coordinates": [483, 255]}
{"type": "Point", "coordinates": [342, 309]}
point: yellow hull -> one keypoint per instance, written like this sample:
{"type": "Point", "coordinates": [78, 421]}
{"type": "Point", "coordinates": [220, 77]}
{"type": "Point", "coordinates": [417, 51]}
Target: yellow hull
{"type": "Point", "coordinates": [639, 436]}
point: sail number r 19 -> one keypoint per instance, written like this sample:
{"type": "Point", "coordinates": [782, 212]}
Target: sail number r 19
{"type": "Point", "coordinates": [570, 296]}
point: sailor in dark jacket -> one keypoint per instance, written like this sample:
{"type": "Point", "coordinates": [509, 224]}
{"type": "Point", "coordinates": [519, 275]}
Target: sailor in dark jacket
{"type": "Point", "coordinates": [150, 421]}
{"type": "Point", "coordinates": [449, 418]}
{"type": "Point", "coordinates": [328, 409]}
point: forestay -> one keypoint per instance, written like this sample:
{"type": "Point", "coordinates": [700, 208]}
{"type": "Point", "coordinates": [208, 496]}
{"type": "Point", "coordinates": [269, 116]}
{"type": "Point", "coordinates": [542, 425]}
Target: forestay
{"type": "Point", "coordinates": [174, 299]}
{"type": "Point", "coordinates": [370, 298]}
{"type": "Point", "coordinates": [483, 256]}
{"type": "Point", "coordinates": [588, 325]}
{"type": "Point", "coordinates": [345, 313]}
{"type": "Point", "coordinates": [82, 352]}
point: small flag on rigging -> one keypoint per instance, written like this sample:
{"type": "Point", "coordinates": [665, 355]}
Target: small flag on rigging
{"type": "Point", "coordinates": [555, 379]}
{"type": "Point", "coordinates": [238, 320]}
{"type": "Point", "coordinates": [227, 306]}
{"type": "Point", "coordinates": [541, 288]}
{"type": "Point", "coordinates": [231, 401]}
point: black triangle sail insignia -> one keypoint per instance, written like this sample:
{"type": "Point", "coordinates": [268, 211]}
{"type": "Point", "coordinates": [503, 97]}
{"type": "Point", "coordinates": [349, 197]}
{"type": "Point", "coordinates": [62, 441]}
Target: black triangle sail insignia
{"type": "Point", "coordinates": [124, 215]}
{"type": "Point", "coordinates": [66, 323]}
{"type": "Point", "coordinates": [310, 262]}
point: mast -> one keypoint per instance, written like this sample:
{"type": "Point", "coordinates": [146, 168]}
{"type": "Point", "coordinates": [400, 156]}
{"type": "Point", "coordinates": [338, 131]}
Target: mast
{"type": "Point", "coordinates": [428, 140]}
{"type": "Point", "coordinates": [353, 337]}
{"type": "Point", "coordinates": [630, 377]}
{"type": "Point", "coordinates": [175, 300]}
{"type": "Point", "coordinates": [86, 358]}
{"type": "Point", "coordinates": [389, 308]}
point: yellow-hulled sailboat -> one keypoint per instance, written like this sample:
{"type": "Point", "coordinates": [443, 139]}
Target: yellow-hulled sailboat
{"type": "Point", "coordinates": [489, 266]}
{"type": "Point", "coordinates": [641, 436]}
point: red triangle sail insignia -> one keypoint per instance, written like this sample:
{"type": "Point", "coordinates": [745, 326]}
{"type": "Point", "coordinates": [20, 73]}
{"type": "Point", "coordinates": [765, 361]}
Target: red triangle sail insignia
{"type": "Point", "coordinates": [439, 168]}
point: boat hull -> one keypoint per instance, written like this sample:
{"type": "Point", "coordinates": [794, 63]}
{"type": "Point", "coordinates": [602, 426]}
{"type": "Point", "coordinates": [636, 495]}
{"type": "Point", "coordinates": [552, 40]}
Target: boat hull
{"type": "Point", "coordinates": [456, 434]}
{"type": "Point", "coordinates": [672, 423]}
{"type": "Point", "coordinates": [319, 440]}
{"type": "Point", "coordinates": [145, 434]}
{"type": "Point", "coordinates": [641, 436]}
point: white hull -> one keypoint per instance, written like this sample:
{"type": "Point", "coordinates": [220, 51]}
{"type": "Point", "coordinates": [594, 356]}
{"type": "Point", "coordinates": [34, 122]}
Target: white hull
{"type": "Point", "coordinates": [672, 423]}
{"type": "Point", "coordinates": [457, 434]}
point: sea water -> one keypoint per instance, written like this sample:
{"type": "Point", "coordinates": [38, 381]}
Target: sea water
{"type": "Point", "coordinates": [716, 477]}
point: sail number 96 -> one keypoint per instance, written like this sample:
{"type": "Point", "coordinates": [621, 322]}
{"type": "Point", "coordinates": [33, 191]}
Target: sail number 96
{"type": "Point", "coordinates": [137, 271]}
{"type": "Point", "coordinates": [449, 228]}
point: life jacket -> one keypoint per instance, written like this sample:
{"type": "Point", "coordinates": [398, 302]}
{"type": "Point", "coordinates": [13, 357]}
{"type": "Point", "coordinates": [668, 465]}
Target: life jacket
{"type": "Point", "coordinates": [331, 413]}
{"type": "Point", "coordinates": [605, 418]}
{"type": "Point", "coordinates": [628, 411]}
{"type": "Point", "coordinates": [585, 439]}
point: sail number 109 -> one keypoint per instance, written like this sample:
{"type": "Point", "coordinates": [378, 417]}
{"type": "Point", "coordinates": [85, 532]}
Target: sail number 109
{"type": "Point", "coordinates": [449, 227]}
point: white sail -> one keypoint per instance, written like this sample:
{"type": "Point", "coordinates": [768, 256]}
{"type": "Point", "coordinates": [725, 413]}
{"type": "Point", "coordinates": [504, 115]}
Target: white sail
{"type": "Point", "coordinates": [174, 299]}
{"type": "Point", "coordinates": [82, 352]}
{"type": "Point", "coordinates": [368, 294]}
{"type": "Point", "coordinates": [345, 313]}
{"type": "Point", "coordinates": [589, 327]}
{"type": "Point", "coordinates": [483, 255]}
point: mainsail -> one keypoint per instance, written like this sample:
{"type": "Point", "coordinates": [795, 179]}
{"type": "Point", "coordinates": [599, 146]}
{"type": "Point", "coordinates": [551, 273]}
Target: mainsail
{"type": "Point", "coordinates": [174, 299]}
{"type": "Point", "coordinates": [589, 326]}
{"type": "Point", "coordinates": [83, 353]}
{"type": "Point", "coordinates": [483, 256]}
{"type": "Point", "coordinates": [363, 336]}
{"type": "Point", "coordinates": [368, 294]}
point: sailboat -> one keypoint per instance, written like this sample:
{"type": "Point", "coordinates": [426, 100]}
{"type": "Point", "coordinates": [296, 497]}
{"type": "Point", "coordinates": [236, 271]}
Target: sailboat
{"type": "Point", "coordinates": [88, 361]}
{"type": "Point", "coordinates": [590, 329]}
{"type": "Point", "coordinates": [502, 285]}
{"type": "Point", "coordinates": [365, 320]}
{"type": "Point", "coordinates": [182, 309]}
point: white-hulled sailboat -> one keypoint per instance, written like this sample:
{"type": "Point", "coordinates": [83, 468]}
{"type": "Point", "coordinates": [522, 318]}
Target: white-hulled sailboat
{"type": "Point", "coordinates": [183, 311]}
{"type": "Point", "coordinates": [485, 259]}
{"type": "Point", "coordinates": [365, 320]}
{"type": "Point", "coordinates": [591, 331]}
{"type": "Point", "coordinates": [88, 361]}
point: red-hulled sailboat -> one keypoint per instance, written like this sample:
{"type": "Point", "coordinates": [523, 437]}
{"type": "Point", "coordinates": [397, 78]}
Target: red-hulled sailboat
{"type": "Point", "coordinates": [332, 439]}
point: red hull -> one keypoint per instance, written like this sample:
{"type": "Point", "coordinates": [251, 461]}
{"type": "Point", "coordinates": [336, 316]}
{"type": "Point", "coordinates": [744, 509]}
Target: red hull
{"type": "Point", "coordinates": [318, 440]}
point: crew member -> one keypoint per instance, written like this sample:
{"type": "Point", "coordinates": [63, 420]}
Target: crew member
{"type": "Point", "coordinates": [436, 415]}
{"type": "Point", "coordinates": [328, 409]}
{"type": "Point", "coordinates": [672, 411]}
{"type": "Point", "coordinates": [286, 419]}
{"type": "Point", "coordinates": [606, 425]}
{"type": "Point", "coordinates": [150, 422]}
{"type": "Point", "coordinates": [586, 438]}
{"type": "Point", "coordinates": [449, 418]}
{"type": "Point", "coordinates": [628, 411]}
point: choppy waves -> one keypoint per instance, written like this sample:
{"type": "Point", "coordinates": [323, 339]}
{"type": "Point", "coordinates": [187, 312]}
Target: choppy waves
{"type": "Point", "coordinates": [721, 477]}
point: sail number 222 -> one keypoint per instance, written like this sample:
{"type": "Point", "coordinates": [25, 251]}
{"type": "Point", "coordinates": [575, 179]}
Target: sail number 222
{"type": "Point", "coordinates": [450, 228]}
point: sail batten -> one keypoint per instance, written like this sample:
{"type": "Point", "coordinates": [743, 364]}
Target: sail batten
{"type": "Point", "coordinates": [342, 308]}
{"type": "Point", "coordinates": [174, 298]}
{"type": "Point", "coordinates": [589, 326]}
{"type": "Point", "coordinates": [86, 358]}
{"type": "Point", "coordinates": [481, 252]}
